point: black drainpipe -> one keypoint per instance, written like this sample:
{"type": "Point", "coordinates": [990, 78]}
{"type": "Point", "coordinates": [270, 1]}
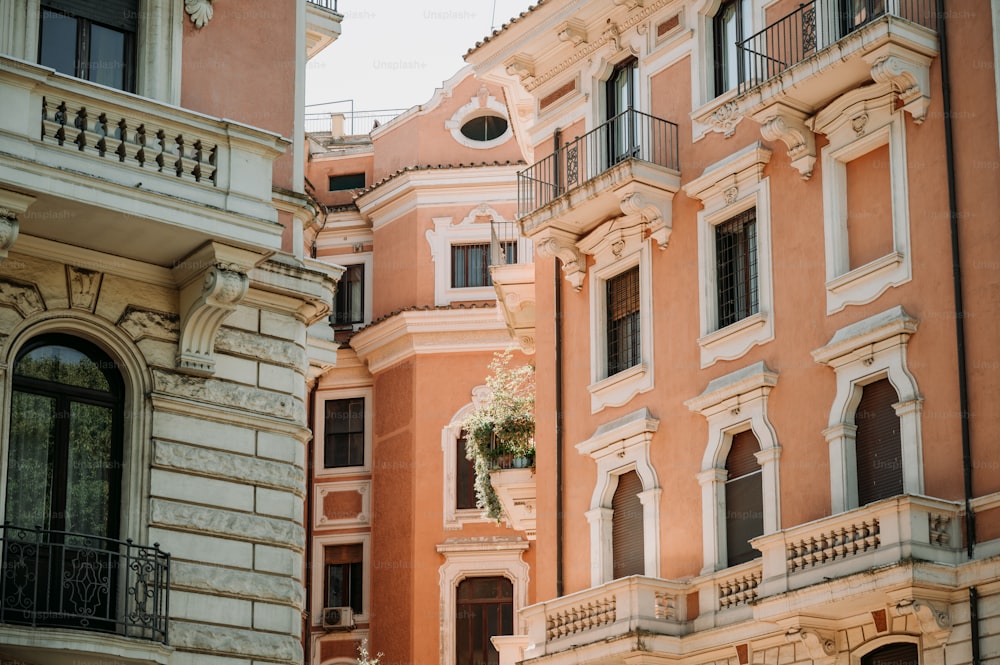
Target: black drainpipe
{"type": "Point", "coordinates": [307, 628]}
{"type": "Point", "coordinates": [556, 138]}
{"type": "Point", "coordinates": [974, 623]}
{"type": "Point", "coordinates": [956, 267]}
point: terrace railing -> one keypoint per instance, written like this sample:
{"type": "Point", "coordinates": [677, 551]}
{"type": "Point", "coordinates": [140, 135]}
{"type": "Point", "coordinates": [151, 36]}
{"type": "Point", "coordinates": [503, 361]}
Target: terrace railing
{"type": "Point", "coordinates": [813, 27]}
{"type": "Point", "coordinates": [507, 246]}
{"type": "Point", "coordinates": [325, 4]}
{"type": "Point", "coordinates": [61, 579]}
{"type": "Point", "coordinates": [629, 135]}
{"type": "Point", "coordinates": [350, 123]}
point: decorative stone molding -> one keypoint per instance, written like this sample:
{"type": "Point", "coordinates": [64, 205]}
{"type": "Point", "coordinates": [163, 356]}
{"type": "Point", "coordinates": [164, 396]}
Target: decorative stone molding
{"type": "Point", "coordinates": [522, 66]}
{"type": "Point", "coordinates": [515, 288]}
{"type": "Point", "coordinates": [656, 212]}
{"type": "Point", "coordinates": [12, 204]}
{"type": "Point", "coordinates": [630, 4]}
{"type": "Point", "coordinates": [250, 644]}
{"type": "Point", "coordinates": [216, 521]}
{"type": "Point", "coordinates": [480, 104]}
{"type": "Point", "coordinates": [516, 490]}
{"type": "Point", "coordinates": [789, 126]}
{"type": "Point", "coordinates": [200, 11]}
{"type": "Point", "coordinates": [935, 624]}
{"type": "Point", "coordinates": [24, 297]}
{"type": "Point", "coordinates": [910, 76]}
{"type": "Point", "coordinates": [83, 287]}
{"type": "Point", "coordinates": [822, 646]}
{"type": "Point", "coordinates": [232, 582]}
{"type": "Point", "coordinates": [361, 488]}
{"type": "Point", "coordinates": [228, 466]}
{"type": "Point", "coordinates": [574, 31]}
{"type": "Point", "coordinates": [229, 395]}
{"type": "Point", "coordinates": [724, 119]}
{"type": "Point", "coordinates": [212, 280]}
{"type": "Point", "coordinates": [551, 243]}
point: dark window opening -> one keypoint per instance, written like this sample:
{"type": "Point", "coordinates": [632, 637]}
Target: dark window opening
{"type": "Point", "coordinates": [344, 582]}
{"type": "Point", "coordinates": [484, 128]}
{"type": "Point", "coordinates": [744, 499]}
{"type": "Point", "coordinates": [903, 653]}
{"type": "Point", "coordinates": [878, 447]}
{"type": "Point", "coordinates": [484, 608]}
{"type": "Point", "coordinates": [623, 334]}
{"type": "Point", "coordinates": [730, 26]}
{"type": "Point", "coordinates": [339, 183]}
{"type": "Point", "coordinates": [627, 538]}
{"type": "Point", "coordinates": [90, 40]}
{"type": "Point", "coordinates": [855, 13]}
{"type": "Point", "coordinates": [465, 477]}
{"type": "Point", "coordinates": [349, 302]}
{"type": "Point", "coordinates": [345, 433]}
{"type": "Point", "coordinates": [622, 96]}
{"type": "Point", "coordinates": [736, 267]}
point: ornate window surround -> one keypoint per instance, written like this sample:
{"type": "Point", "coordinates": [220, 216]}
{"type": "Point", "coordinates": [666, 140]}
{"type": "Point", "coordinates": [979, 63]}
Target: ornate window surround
{"type": "Point", "coordinates": [158, 51]}
{"type": "Point", "coordinates": [616, 247]}
{"type": "Point", "coordinates": [727, 188]}
{"type": "Point", "coordinates": [454, 518]}
{"type": "Point", "coordinates": [319, 432]}
{"type": "Point", "coordinates": [855, 124]}
{"type": "Point", "coordinates": [365, 259]}
{"type": "Point", "coordinates": [478, 557]}
{"type": "Point", "coordinates": [482, 104]}
{"type": "Point", "coordinates": [734, 403]}
{"type": "Point", "coordinates": [620, 446]}
{"type": "Point", "coordinates": [861, 353]}
{"type": "Point", "coordinates": [318, 570]}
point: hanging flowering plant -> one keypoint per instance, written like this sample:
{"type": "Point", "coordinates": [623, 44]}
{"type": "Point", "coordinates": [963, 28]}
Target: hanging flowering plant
{"type": "Point", "coordinates": [500, 431]}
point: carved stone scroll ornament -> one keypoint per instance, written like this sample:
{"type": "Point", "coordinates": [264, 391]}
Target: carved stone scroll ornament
{"type": "Point", "coordinates": [725, 118]}
{"type": "Point", "coordinates": [574, 264]}
{"type": "Point", "coordinates": [655, 214]}
{"type": "Point", "coordinates": [912, 79]}
{"type": "Point", "coordinates": [8, 231]}
{"type": "Point", "coordinates": [200, 11]}
{"type": "Point", "coordinates": [791, 129]}
{"type": "Point", "coordinates": [822, 648]}
{"type": "Point", "coordinates": [221, 290]}
{"type": "Point", "coordinates": [935, 624]}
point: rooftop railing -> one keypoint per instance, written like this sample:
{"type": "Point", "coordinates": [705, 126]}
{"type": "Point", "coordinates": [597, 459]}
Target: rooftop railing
{"type": "Point", "coordinates": [629, 135]}
{"type": "Point", "coordinates": [813, 27]}
{"type": "Point", "coordinates": [349, 123]}
{"type": "Point", "coordinates": [325, 4]}
{"type": "Point", "coordinates": [60, 579]}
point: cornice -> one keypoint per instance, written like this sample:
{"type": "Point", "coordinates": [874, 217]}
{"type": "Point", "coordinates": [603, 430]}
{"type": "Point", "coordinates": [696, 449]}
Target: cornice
{"type": "Point", "coordinates": [417, 332]}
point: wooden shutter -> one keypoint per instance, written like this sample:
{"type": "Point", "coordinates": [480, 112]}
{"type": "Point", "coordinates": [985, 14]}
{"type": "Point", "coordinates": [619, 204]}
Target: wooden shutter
{"type": "Point", "coordinates": [628, 553]}
{"type": "Point", "coordinates": [744, 499]}
{"type": "Point", "coordinates": [877, 444]}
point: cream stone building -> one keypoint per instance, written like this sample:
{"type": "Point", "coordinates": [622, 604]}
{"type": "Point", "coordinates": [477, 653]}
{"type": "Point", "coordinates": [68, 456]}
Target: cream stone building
{"type": "Point", "coordinates": [155, 340]}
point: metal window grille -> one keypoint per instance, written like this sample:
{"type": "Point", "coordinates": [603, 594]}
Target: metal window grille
{"type": "Point", "coordinates": [736, 267]}
{"type": "Point", "coordinates": [623, 339]}
{"type": "Point", "coordinates": [470, 265]}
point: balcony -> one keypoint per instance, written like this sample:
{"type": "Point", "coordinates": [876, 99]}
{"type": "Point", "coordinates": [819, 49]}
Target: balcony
{"type": "Point", "coordinates": [56, 584]}
{"type": "Point", "coordinates": [322, 25]}
{"type": "Point", "coordinates": [627, 164]}
{"type": "Point", "coordinates": [800, 63]}
{"type": "Point", "coordinates": [512, 270]}
{"type": "Point", "coordinates": [123, 174]}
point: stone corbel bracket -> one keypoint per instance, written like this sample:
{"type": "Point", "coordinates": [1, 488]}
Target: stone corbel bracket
{"type": "Point", "coordinates": [573, 31]}
{"type": "Point", "coordinates": [822, 646]}
{"type": "Point", "coordinates": [630, 4]}
{"type": "Point", "coordinates": [909, 74]}
{"type": "Point", "coordinates": [12, 205]}
{"type": "Point", "coordinates": [788, 125]}
{"type": "Point", "coordinates": [212, 281]}
{"type": "Point", "coordinates": [200, 11]}
{"type": "Point", "coordinates": [655, 210]}
{"type": "Point", "coordinates": [562, 245]}
{"type": "Point", "coordinates": [935, 624]}
{"type": "Point", "coordinates": [522, 66]}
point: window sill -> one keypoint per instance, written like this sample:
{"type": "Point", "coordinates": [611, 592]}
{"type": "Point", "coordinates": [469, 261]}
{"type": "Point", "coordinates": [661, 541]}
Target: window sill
{"type": "Point", "coordinates": [619, 388]}
{"type": "Point", "coordinates": [342, 471]}
{"type": "Point", "coordinates": [866, 283]}
{"type": "Point", "coordinates": [736, 339]}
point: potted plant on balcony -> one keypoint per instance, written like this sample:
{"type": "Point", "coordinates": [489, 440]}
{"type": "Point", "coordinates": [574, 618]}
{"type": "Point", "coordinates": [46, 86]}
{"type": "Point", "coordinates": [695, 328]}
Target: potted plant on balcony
{"type": "Point", "coordinates": [500, 431]}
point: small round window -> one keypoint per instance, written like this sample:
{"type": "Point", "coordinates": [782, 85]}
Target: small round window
{"type": "Point", "coordinates": [484, 128]}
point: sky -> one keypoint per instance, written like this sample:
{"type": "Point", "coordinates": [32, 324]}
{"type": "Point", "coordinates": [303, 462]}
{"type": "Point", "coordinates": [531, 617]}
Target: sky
{"type": "Point", "coordinates": [394, 53]}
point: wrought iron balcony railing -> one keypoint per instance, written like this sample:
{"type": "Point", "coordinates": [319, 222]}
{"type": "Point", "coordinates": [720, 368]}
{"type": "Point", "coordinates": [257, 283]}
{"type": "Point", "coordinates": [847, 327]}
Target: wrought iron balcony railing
{"type": "Point", "coordinates": [507, 245]}
{"type": "Point", "coordinates": [325, 4]}
{"type": "Point", "coordinates": [629, 135]}
{"type": "Point", "coordinates": [813, 27]}
{"type": "Point", "coordinates": [60, 579]}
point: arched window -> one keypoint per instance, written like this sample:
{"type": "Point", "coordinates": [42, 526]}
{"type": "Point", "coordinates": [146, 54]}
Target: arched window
{"type": "Point", "coordinates": [903, 653]}
{"type": "Point", "coordinates": [877, 444]}
{"type": "Point", "coordinates": [627, 542]}
{"type": "Point", "coordinates": [484, 608]}
{"type": "Point", "coordinates": [744, 498]}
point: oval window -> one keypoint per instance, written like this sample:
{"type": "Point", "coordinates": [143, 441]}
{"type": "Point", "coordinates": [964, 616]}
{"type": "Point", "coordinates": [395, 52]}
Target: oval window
{"type": "Point", "coordinates": [485, 128]}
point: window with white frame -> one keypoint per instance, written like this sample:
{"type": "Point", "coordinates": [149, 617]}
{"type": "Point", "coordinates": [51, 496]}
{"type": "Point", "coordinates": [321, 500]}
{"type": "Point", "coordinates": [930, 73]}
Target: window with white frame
{"type": "Point", "coordinates": [494, 561]}
{"type": "Point", "coordinates": [341, 571]}
{"type": "Point", "coordinates": [734, 255]}
{"type": "Point", "coordinates": [864, 131]}
{"type": "Point", "coordinates": [620, 448]}
{"type": "Point", "coordinates": [862, 355]}
{"type": "Point", "coordinates": [349, 303]}
{"type": "Point", "coordinates": [621, 337]}
{"type": "Point", "coordinates": [730, 26]}
{"type": "Point", "coordinates": [739, 476]}
{"type": "Point", "coordinates": [343, 432]}
{"type": "Point", "coordinates": [458, 483]}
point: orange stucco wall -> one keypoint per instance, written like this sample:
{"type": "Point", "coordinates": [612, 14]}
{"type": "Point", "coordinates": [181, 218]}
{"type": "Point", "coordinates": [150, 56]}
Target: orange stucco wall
{"type": "Point", "coordinates": [318, 172]}
{"type": "Point", "coordinates": [869, 207]}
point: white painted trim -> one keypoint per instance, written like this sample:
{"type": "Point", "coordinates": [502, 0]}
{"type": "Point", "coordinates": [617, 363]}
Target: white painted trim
{"type": "Point", "coordinates": [995, 21]}
{"type": "Point", "coordinates": [320, 472]}
{"type": "Point", "coordinates": [727, 188]}
{"type": "Point", "coordinates": [478, 557]}
{"type": "Point", "coordinates": [734, 403]}
{"type": "Point", "coordinates": [864, 352]}
{"type": "Point", "coordinates": [365, 259]}
{"type": "Point", "coordinates": [362, 519]}
{"type": "Point", "coordinates": [855, 124]}
{"type": "Point", "coordinates": [483, 104]}
{"type": "Point", "coordinates": [455, 518]}
{"type": "Point", "coordinates": [319, 570]}
{"type": "Point", "coordinates": [618, 447]}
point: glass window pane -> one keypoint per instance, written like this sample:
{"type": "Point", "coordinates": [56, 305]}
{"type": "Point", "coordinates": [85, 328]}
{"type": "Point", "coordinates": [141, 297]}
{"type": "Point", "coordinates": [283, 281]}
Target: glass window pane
{"type": "Point", "coordinates": [107, 57]}
{"type": "Point", "coordinates": [58, 42]}
{"type": "Point", "coordinates": [61, 364]}
{"type": "Point", "coordinates": [29, 469]}
{"type": "Point", "coordinates": [90, 468]}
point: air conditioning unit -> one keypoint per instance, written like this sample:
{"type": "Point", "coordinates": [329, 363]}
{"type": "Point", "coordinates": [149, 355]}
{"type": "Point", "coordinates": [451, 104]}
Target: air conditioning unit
{"type": "Point", "coordinates": [338, 618]}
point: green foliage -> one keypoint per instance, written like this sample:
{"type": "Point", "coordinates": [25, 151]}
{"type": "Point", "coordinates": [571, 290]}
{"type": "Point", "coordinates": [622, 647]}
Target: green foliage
{"type": "Point", "coordinates": [502, 427]}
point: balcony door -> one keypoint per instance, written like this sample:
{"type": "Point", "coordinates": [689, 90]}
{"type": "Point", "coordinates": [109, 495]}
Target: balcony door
{"type": "Point", "coordinates": [63, 491]}
{"type": "Point", "coordinates": [622, 100]}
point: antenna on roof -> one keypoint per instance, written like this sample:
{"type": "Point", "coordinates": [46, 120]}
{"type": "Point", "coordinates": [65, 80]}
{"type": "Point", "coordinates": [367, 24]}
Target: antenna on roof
{"type": "Point", "coordinates": [493, 18]}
